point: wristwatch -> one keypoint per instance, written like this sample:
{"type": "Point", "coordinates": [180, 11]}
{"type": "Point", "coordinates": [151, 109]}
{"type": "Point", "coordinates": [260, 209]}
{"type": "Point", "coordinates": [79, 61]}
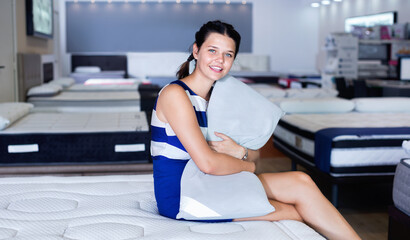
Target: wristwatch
{"type": "Point", "coordinates": [246, 154]}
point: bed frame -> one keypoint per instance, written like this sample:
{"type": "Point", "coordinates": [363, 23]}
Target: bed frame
{"type": "Point", "coordinates": [327, 178]}
{"type": "Point", "coordinates": [29, 73]}
{"type": "Point", "coordinates": [105, 62]}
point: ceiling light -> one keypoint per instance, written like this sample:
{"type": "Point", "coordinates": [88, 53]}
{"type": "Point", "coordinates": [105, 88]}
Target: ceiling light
{"type": "Point", "coordinates": [325, 2]}
{"type": "Point", "coordinates": [315, 4]}
{"type": "Point", "coordinates": [337, 0]}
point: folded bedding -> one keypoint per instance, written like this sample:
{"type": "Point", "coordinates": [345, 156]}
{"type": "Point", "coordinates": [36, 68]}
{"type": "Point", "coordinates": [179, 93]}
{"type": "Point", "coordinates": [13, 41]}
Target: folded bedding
{"type": "Point", "coordinates": [13, 111]}
{"type": "Point", "coordinates": [401, 193]}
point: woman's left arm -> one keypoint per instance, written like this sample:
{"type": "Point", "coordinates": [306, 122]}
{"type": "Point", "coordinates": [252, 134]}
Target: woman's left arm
{"type": "Point", "coordinates": [230, 147]}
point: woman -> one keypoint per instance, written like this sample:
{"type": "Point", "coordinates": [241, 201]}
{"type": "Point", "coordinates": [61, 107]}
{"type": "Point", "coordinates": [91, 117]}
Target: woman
{"type": "Point", "coordinates": [178, 130]}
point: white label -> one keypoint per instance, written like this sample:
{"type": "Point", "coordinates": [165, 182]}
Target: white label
{"type": "Point", "coordinates": [130, 147]}
{"type": "Point", "coordinates": [24, 148]}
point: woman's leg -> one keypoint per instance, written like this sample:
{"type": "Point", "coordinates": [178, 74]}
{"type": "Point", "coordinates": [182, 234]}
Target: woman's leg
{"type": "Point", "coordinates": [295, 192]}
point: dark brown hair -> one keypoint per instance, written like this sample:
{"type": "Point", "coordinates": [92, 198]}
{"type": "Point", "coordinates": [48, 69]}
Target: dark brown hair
{"type": "Point", "coordinates": [200, 37]}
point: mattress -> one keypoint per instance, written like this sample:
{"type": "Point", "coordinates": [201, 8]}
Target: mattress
{"type": "Point", "coordinates": [401, 186]}
{"type": "Point", "coordinates": [114, 208]}
{"type": "Point", "coordinates": [76, 138]}
{"type": "Point", "coordinates": [89, 101]}
{"type": "Point", "coordinates": [82, 77]}
{"type": "Point", "coordinates": [102, 87]}
{"type": "Point", "coordinates": [346, 144]}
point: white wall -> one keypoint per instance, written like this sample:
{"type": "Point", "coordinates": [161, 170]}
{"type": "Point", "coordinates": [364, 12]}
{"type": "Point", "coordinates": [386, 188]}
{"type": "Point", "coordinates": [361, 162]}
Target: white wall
{"type": "Point", "coordinates": [287, 31]}
{"type": "Point", "coordinates": [332, 17]}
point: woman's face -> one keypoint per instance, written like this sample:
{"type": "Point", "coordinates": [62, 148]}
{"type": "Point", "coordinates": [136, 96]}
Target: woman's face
{"type": "Point", "coordinates": [215, 57]}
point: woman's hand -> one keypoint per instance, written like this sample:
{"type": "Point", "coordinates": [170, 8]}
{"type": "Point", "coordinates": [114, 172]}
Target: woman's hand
{"type": "Point", "coordinates": [227, 146]}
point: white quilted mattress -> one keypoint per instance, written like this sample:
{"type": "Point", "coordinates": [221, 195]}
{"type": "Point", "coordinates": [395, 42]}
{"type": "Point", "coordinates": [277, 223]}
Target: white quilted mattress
{"type": "Point", "coordinates": [102, 87]}
{"type": "Point", "coordinates": [347, 157]}
{"type": "Point", "coordinates": [112, 208]}
{"type": "Point", "coordinates": [89, 101]}
{"type": "Point", "coordinates": [79, 122]}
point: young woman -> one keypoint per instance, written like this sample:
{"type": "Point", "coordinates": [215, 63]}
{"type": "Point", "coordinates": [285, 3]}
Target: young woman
{"type": "Point", "coordinates": [179, 126]}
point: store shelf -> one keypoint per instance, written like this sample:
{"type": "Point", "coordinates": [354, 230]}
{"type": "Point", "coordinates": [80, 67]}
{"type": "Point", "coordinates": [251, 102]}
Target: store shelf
{"type": "Point", "coordinates": [384, 41]}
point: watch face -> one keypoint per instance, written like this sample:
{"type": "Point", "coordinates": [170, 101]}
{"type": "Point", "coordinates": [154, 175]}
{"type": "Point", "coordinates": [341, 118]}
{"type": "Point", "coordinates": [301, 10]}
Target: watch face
{"type": "Point", "coordinates": [43, 16]}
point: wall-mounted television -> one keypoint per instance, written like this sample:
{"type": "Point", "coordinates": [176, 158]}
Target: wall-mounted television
{"type": "Point", "coordinates": [386, 18]}
{"type": "Point", "coordinates": [39, 18]}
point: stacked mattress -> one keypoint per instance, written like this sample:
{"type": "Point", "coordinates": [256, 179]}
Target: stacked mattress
{"type": "Point", "coordinates": [72, 138]}
{"type": "Point", "coordinates": [401, 186]}
{"type": "Point", "coordinates": [113, 208]}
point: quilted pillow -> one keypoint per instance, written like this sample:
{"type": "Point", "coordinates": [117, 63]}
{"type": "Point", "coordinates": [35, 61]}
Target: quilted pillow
{"type": "Point", "coordinates": [384, 104]}
{"type": "Point", "coordinates": [44, 90]}
{"type": "Point", "coordinates": [63, 82]}
{"type": "Point", "coordinates": [87, 69]}
{"type": "Point", "coordinates": [241, 113]}
{"type": "Point", "coordinates": [11, 112]}
{"type": "Point", "coordinates": [210, 197]}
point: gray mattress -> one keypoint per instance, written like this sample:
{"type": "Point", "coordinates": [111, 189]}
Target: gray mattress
{"type": "Point", "coordinates": [401, 186]}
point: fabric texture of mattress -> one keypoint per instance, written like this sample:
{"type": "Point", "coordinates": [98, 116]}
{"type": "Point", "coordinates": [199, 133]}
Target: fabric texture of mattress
{"type": "Point", "coordinates": [102, 87]}
{"type": "Point", "coordinates": [82, 77]}
{"type": "Point", "coordinates": [401, 186]}
{"type": "Point", "coordinates": [89, 100]}
{"type": "Point", "coordinates": [350, 143]}
{"type": "Point", "coordinates": [113, 208]}
{"type": "Point", "coordinates": [66, 138]}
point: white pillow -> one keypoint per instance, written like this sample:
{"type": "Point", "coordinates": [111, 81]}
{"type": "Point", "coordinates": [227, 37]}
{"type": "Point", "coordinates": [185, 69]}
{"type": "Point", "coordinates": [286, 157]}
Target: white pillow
{"type": "Point", "coordinates": [87, 69]}
{"type": "Point", "coordinates": [11, 112]}
{"type": "Point", "coordinates": [310, 92]}
{"type": "Point", "coordinates": [241, 113]}
{"type": "Point", "coordinates": [211, 197]}
{"type": "Point", "coordinates": [382, 104]}
{"type": "Point", "coordinates": [317, 105]}
{"type": "Point", "coordinates": [268, 91]}
{"type": "Point", "coordinates": [44, 90]}
{"type": "Point", "coordinates": [64, 82]}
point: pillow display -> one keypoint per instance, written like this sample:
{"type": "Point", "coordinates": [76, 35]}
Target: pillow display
{"type": "Point", "coordinates": [87, 69]}
{"type": "Point", "coordinates": [310, 92]}
{"type": "Point", "coordinates": [44, 90]}
{"type": "Point", "coordinates": [11, 112]}
{"type": "Point", "coordinates": [64, 82]}
{"type": "Point", "coordinates": [241, 113]}
{"type": "Point", "coordinates": [210, 197]}
{"type": "Point", "coordinates": [318, 105]}
{"type": "Point", "coordinates": [268, 91]}
{"type": "Point", "coordinates": [382, 104]}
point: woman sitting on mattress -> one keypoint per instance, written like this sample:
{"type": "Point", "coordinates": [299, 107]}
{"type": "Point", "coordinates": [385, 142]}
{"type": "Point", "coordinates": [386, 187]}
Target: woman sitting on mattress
{"type": "Point", "coordinates": [178, 127]}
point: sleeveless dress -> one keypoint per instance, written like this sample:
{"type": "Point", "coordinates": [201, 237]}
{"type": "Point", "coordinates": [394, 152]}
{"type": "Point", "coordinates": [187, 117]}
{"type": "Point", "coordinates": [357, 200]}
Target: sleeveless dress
{"type": "Point", "coordinates": [170, 157]}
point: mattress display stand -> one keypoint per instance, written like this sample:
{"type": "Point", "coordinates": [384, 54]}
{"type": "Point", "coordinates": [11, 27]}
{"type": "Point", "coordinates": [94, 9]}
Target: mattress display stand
{"type": "Point", "coordinates": [327, 178]}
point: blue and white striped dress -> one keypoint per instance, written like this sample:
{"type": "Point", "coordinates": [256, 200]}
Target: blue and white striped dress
{"type": "Point", "coordinates": [170, 157]}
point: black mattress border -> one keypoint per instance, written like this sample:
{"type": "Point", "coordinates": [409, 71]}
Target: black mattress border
{"type": "Point", "coordinates": [74, 148]}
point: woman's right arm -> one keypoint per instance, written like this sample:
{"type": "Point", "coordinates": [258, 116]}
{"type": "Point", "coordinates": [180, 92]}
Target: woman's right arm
{"type": "Point", "coordinates": [175, 108]}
